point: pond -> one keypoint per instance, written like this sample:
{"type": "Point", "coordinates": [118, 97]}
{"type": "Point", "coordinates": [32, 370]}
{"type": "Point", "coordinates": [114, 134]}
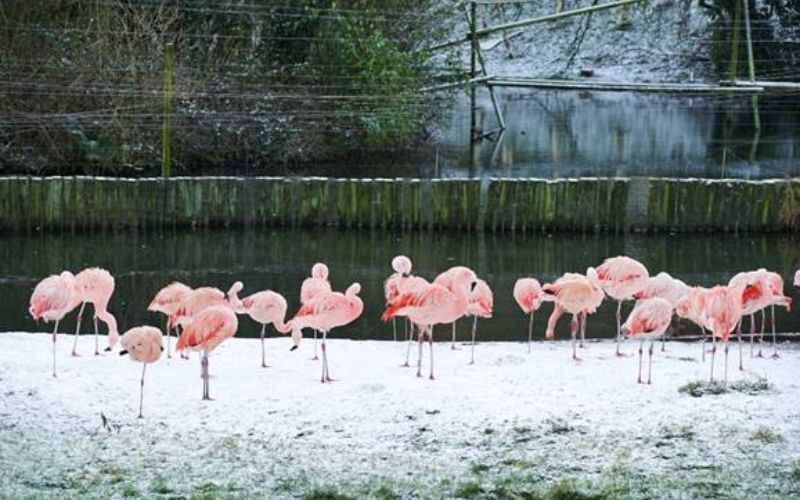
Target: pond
{"type": "Point", "coordinates": [280, 259]}
{"type": "Point", "coordinates": [557, 134]}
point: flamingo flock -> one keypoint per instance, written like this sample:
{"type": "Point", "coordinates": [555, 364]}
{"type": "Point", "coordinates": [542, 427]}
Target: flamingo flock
{"type": "Point", "coordinates": [203, 318]}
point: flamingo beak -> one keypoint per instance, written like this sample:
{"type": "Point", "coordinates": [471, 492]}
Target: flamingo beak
{"type": "Point", "coordinates": [122, 353]}
{"type": "Point", "coordinates": [294, 347]}
{"type": "Point", "coordinates": [472, 286]}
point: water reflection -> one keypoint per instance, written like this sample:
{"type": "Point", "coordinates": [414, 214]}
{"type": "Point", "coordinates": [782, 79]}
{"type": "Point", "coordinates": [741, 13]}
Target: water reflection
{"type": "Point", "coordinates": [279, 260]}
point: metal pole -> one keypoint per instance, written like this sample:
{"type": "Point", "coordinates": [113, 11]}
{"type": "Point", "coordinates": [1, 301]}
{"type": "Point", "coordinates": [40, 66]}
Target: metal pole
{"type": "Point", "coordinates": [473, 56]}
{"type": "Point", "coordinates": [166, 130]}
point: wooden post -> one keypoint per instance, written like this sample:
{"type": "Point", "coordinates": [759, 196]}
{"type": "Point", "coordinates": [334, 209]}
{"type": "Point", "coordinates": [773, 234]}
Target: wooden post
{"type": "Point", "coordinates": [750, 62]}
{"type": "Point", "coordinates": [166, 130]}
{"type": "Point", "coordinates": [737, 20]}
{"type": "Point", "coordinates": [473, 56]}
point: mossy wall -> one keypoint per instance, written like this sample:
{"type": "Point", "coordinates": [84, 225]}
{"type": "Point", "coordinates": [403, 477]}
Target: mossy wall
{"type": "Point", "coordinates": [582, 205]}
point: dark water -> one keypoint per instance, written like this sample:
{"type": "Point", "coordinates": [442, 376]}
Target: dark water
{"type": "Point", "coordinates": [557, 134]}
{"type": "Point", "coordinates": [279, 260]}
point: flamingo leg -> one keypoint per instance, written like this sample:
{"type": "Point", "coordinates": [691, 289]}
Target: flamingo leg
{"type": "Point", "coordinates": [325, 353]}
{"type": "Point", "coordinates": [752, 332]}
{"type": "Point", "coordinates": [650, 363]}
{"type": "Point", "coordinates": [641, 349]}
{"type": "Point", "coordinates": [55, 337]}
{"type": "Point", "coordinates": [394, 329]}
{"type": "Point", "coordinates": [583, 329]}
{"type": "Point", "coordinates": [430, 343]}
{"type": "Point", "coordinates": [420, 338]}
{"type": "Point", "coordinates": [204, 372]}
{"type": "Point", "coordinates": [409, 341]}
{"type": "Point", "coordinates": [315, 346]}
{"type": "Point", "coordinates": [775, 354]}
{"type": "Point", "coordinates": [726, 362]}
{"type": "Point", "coordinates": [474, 327]}
{"type": "Point", "coordinates": [263, 349]}
{"type": "Point", "coordinates": [761, 334]}
{"type": "Point", "coordinates": [530, 331]}
{"type": "Point", "coordinates": [663, 343]}
{"type": "Point", "coordinates": [178, 331]}
{"type": "Point", "coordinates": [168, 329]}
{"type": "Point", "coordinates": [96, 337]}
{"type": "Point", "coordinates": [453, 345]}
{"type": "Point", "coordinates": [739, 341]}
{"type": "Point", "coordinates": [141, 391]}
{"type": "Point", "coordinates": [713, 353]}
{"type": "Point", "coordinates": [573, 330]}
{"type": "Point", "coordinates": [78, 329]}
{"type": "Point", "coordinates": [619, 326]}
{"type": "Point", "coordinates": [703, 343]}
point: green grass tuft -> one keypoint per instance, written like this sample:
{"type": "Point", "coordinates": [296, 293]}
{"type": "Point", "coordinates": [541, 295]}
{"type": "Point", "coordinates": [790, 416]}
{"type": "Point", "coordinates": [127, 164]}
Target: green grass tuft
{"type": "Point", "coordinates": [752, 386]}
{"type": "Point", "coordinates": [766, 435]}
{"type": "Point", "coordinates": [566, 490]}
{"type": "Point", "coordinates": [326, 494]}
{"type": "Point", "coordinates": [470, 489]}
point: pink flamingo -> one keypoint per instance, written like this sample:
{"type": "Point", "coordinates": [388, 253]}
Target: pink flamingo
{"type": "Point", "coordinates": [649, 320]}
{"type": "Point", "coordinates": [756, 296]}
{"type": "Point", "coordinates": [96, 285]}
{"type": "Point", "coordinates": [666, 287]}
{"type": "Point", "coordinates": [143, 344]}
{"type": "Point", "coordinates": [577, 295]}
{"type": "Point", "coordinates": [432, 304]}
{"type": "Point", "coordinates": [266, 307]}
{"type": "Point", "coordinates": [797, 278]}
{"type": "Point", "coordinates": [207, 330]}
{"type": "Point", "coordinates": [481, 304]}
{"type": "Point", "coordinates": [167, 301]}
{"type": "Point", "coordinates": [325, 312]}
{"type": "Point", "coordinates": [691, 307]}
{"type": "Point", "coordinates": [312, 287]}
{"type": "Point", "coordinates": [195, 302]}
{"type": "Point", "coordinates": [722, 310]}
{"type": "Point", "coordinates": [776, 287]}
{"type": "Point", "coordinates": [408, 285]}
{"type": "Point", "coordinates": [402, 272]}
{"type": "Point", "coordinates": [445, 279]}
{"type": "Point", "coordinates": [621, 278]}
{"type": "Point", "coordinates": [529, 295]}
{"type": "Point", "coordinates": [52, 299]}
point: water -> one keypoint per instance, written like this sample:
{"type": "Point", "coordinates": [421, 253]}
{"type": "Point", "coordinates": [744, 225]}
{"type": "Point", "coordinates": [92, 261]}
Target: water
{"type": "Point", "coordinates": [280, 259]}
{"type": "Point", "coordinates": [557, 134]}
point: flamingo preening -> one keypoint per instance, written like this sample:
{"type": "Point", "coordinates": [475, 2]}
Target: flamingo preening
{"type": "Point", "coordinates": [52, 299]}
{"type": "Point", "coordinates": [206, 331]}
{"type": "Point", "coordinates": [648, 320]}
{"type": "Point", "coordinates": [142, 344]}
{"type": "Point", "coordinates": [312, 287]}
{"type": "Point", "coordinates": [529, 295]}
{"type": "Point", "coordinates": [167, 301]}
{"type": "Point", "coordinates": [621, 278]}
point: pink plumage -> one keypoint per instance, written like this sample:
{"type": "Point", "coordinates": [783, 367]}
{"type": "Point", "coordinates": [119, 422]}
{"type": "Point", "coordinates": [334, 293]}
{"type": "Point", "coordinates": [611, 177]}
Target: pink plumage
{"type": "Point", "coordinates": [622, 277]}
{"type": "Point", "coordinates": [198, 300]}
{"type": "Point", "coordinates": [266, 307]}
{"type": "Point", "coordinates": [142, 344]}
{"type": "Point", "coordinates": [208, 329]}
{"type": "Point", "coordinates": [481, 300]}
{"type": "Point", "coordinates": [96, 285]}
{"type": "Point", "coordinates": [722, 310]}
{"type": "Point", "coordinates": [316, 284]}
{"type": "Point", "coordinates": [649, 320]}
{"type": "Point", "coordinates": [664, 286]}
{"type": "Point", "coordinates": [53, 298]}
{"type": "Point", "coordinates": [529, 294]}
{"type": "Point", "coordinates": [169, 298]}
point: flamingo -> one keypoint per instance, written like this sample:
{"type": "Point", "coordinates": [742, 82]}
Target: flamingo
{"type": "Point", "coordinates": [402, 272]}
{"type": "Point", "coordinates": [621, 278]}
{"type": "Point", "coordinates": [776, 287]}
{"type": "Point", "coordinates": [96, 285]}
{"type": "Point", "coordinates": [325, 312]}
{"type": "Point", "coordinates": [266, 307]}
{"type": "Point", "coordinates": [665, 286]}
{"type": "Point", "coordinates": [445, 279]}
{"type": "Point", "coordinates": [691, 307]}
{"type": "Point", "coordinates": [207, 330]}
{"type": "Point", "coordinates": [432, 304]}
{"type": "Point", "coordinates": [408, 285]}
{"type": "Point", "coordinates": [167, 301]}
{"type": "Point", "coordinates": [797, 278]}
{"type": "Point", "coordinates": [52, 299]}
{"type": "Point", "coordinates": [722, 310]}
{"type": "Point", "coordinates": [648, 320]}
{"type": "Point", "coordinates": [312, 287]}
{"type": "Point", "coordinates": [195, 302]}
{"type": "Point", "coordinates": [756, 296]}
{"type": "Point", "coordinates": [143, 344]}
{"type": "Point", "coordinates": [481, 304]}
{"type": "Point", "coordinates": [529, 295]}
{"type": "Point", "coordinates": [577, 295]}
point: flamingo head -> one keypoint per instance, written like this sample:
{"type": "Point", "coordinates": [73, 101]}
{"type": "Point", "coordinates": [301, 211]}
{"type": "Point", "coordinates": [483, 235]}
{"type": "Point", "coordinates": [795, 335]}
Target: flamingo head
{"type": "Point", "coordinates": [319, 270]}
{"type": "Point", "coordinates": [402, 264]}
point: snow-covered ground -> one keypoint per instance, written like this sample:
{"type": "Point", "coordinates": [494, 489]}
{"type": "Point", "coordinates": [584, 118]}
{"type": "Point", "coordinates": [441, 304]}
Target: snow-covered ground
{"type": "Point", "coordinates": [513, 425]}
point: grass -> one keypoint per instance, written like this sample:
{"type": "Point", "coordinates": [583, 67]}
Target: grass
{"type": "Point", "coordinates": [326, 494]}
{"type": "Point", "coordinates": [766, 436]}
{"type": "Point", "coordinates": [751, 386]}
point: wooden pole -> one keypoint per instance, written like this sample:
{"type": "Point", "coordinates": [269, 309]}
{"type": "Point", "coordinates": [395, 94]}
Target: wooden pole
{"type": "Point", "coordinates": [751, 67]}
{"type": "Point", "coordinates": [737, 21]}
{"type": "Point", "coordinates": [473, 70]}
{"type": "Point", "coordinates": [166, 129]}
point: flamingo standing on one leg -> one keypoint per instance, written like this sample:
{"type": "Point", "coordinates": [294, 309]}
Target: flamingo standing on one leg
{"type": "Point", "coordinates": [577, 295]}
{"type": "Point", "coordinates": [324, 313]}
{"type": "Point", "coordinates": [51, 300]}
{"type": "Point", "coordinates": [621, 278]}
{"type": "Point", "coordinates": [312, 287]}
{"type": "Point", "coordinates": [267, 307]}
{"type": "Point", "coordinates": [722, 310]}
{"type": "Point", "coordinates": [143, 344]}
{"type": "Point", "coordinates": [481, 304]}
{"type": "Point", "coordinates": [402, 272]}
{"type": "Point", "coordinates": [207, 330]}
{"type": "Point", "coordinates": [167, 301]}
{"type": "Point", "coordinates": [434, 304]}
{"type": "Point", "coordinates": [529, 295]}
{"type": "Point", "coordinates": [776, 286]}
{"type": "Point", "coordinates": [445, 279]}
{"type": "Point", "coordinates": [666, 287]}
{"type": "Point", "coordinates": [96, 285]}
{"type": "Point", "coordinates": [648, 320]}
{"type": "Point", "coordinates": [691, 307]}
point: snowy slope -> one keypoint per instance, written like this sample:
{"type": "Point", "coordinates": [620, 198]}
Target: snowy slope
{"type": "Point", "coordinates": [513, 420]}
